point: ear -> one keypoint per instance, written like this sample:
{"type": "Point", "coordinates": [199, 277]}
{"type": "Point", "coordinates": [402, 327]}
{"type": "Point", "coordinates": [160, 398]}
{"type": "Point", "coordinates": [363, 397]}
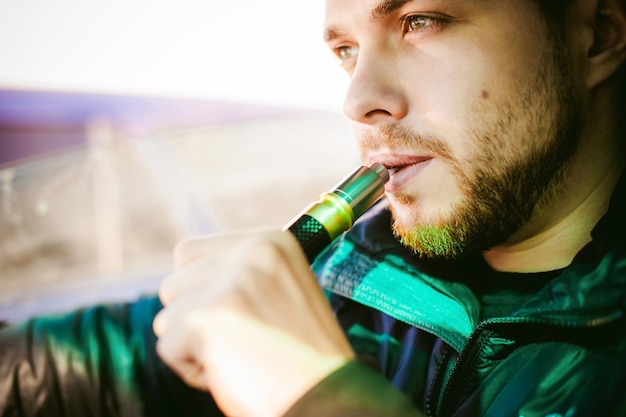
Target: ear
{"type": "Point", "coordinates": [608, 52]}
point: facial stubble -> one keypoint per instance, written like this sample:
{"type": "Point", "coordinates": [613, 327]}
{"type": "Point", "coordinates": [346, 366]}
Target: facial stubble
{"type": "Point", "coordinates": [502, 192]}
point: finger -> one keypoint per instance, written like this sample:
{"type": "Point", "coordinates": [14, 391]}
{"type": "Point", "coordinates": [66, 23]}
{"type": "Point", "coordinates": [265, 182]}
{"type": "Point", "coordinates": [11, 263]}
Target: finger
{"type": "Point", "coordinates": [211, 268]}
{"type": "Point", "coordinates": [312, 297]}
{"type": "Point", "coordinates": [162, 322]}
{"type": "Point", "coordinates": [204, 294]}
{"type": "Point", "coordinates": [176, 348]}
{"type": "Point", "coordinates": [200, 259]}
{"type": "Point", "coordinates": [191, 249]}
{"type": "Point", "coordinates": [299, 266]}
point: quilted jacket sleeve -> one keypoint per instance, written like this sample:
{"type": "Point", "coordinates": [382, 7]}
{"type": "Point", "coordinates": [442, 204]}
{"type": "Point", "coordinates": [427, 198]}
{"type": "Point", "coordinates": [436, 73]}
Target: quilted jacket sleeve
{"type": "Point", "coordinates": [98, 361]}
{"type": "Point", "coordinates": [101, 361]}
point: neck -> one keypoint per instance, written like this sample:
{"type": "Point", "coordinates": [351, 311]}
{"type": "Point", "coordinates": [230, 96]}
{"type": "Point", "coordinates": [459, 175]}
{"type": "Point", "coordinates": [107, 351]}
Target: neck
{"type": "Point", "coordinates": [552, 243]}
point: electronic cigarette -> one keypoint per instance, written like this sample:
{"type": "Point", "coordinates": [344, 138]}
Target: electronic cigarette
{"type": "Point", "coordinates": [335, 211]}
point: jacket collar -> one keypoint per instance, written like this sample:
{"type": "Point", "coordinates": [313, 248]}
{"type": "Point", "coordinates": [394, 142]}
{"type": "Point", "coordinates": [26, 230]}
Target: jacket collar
{"type": "Point", "coordinates": [369, 266]}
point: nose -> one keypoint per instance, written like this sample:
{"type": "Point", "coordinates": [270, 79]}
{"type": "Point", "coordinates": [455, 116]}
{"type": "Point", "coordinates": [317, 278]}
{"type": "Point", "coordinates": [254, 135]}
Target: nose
{"type": "Point", "coordinates": [374, 94]}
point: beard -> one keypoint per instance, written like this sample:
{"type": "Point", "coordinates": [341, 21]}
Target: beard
{"type": "Point", "coordinates": [502, 190]}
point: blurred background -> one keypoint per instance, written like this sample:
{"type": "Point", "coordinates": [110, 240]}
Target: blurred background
{"type": "Point", "coordinates": [128, 125]}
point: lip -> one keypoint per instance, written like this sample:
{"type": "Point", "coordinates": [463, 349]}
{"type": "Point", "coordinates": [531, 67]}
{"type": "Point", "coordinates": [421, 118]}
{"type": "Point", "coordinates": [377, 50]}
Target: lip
{"type": "Point", "coordinates": [402, 169]}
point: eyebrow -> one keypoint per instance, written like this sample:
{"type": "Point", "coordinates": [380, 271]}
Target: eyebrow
{"type": "Point", "coordinates": [331, 33]}
{"type": "Point", "coordinates": [384, 9]}
{"type": "Point", "coordinates": [387, 7]}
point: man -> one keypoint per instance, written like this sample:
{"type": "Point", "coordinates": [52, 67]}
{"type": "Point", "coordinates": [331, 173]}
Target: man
{"type": "Point", "coordinates": [499, 122]}
{"type": "Point", "coordinates": [490, 281]}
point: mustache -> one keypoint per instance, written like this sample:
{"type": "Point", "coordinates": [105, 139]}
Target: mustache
{"type": "Point", "coordinates": [396, 137]}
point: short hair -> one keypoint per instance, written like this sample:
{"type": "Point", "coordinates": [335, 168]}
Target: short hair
{"type": "Point", "coordinates": [554, 10]}
{"type": "Point", "coordinates": [555, 13]}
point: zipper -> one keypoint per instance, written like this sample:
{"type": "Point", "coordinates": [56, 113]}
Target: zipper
{"type": "Point", "coordinates": [434, 388]}
{"type": "Point", "coordinates": [455, 390]}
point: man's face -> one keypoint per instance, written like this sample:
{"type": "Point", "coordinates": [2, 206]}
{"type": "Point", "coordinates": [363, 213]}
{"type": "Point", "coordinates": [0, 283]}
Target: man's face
{"type": "Point", "coordinates": [468, 103]}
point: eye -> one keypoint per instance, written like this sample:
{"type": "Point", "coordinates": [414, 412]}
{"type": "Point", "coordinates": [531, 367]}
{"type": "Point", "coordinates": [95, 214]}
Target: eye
{"type": "Point", "coordinates": [346, 52]}
{"type": "Point", "coordinates": [417, 22]}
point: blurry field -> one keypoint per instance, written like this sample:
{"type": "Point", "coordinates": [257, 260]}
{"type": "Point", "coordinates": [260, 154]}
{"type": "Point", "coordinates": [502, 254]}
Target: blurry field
{"type": "Point", "coordinates": [98, 223]}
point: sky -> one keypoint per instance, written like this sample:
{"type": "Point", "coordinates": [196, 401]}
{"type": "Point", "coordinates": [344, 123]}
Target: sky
{"type": "Point", "coordinates": [243, 50]}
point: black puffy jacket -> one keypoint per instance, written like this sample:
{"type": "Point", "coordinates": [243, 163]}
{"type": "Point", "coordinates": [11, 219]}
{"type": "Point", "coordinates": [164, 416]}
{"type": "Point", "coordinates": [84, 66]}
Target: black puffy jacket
{"type": "Point", "coordinates": [561, 354]}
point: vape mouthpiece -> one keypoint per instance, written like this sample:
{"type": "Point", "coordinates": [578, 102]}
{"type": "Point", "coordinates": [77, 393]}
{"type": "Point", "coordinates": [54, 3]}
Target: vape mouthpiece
{"type": "Point", "coordinates": [336, 211]}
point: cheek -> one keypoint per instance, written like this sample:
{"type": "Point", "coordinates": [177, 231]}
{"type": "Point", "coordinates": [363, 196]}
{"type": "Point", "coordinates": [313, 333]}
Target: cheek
{"type": "Point", "coordinates": [443, 87]}
{"type": "Point", "coordinates": [446, 79]}
{"type": "Point", "coordinates": [440, 89]}
{"type": "Point", "coordinates": [467, 103]}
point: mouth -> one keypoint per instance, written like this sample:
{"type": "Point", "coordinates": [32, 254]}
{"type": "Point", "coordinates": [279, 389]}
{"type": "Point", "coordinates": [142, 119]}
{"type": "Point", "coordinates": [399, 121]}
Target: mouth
{"type": "Point", "coordinates": [402, 169]}
{"type": "Point", "coordinates": [399, 164]}
{"type": "Point", "coordinates": [394, 170]}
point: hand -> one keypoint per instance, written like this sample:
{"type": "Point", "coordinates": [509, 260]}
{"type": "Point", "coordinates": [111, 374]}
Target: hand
{"type": "Point", "coordinates": [244, 317]}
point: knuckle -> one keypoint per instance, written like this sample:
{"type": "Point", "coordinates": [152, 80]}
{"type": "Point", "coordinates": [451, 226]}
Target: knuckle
{"type": "Point", "coordinates": [164, 351]}
{"type": "Point", "coordinates": [264, 252]}
{"type": "Point", "coordinates": [186, 250]}
{"type": "Point", "coordinates": [164, 293]}
{"type": "Point", "coordinates": [159, 324]}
